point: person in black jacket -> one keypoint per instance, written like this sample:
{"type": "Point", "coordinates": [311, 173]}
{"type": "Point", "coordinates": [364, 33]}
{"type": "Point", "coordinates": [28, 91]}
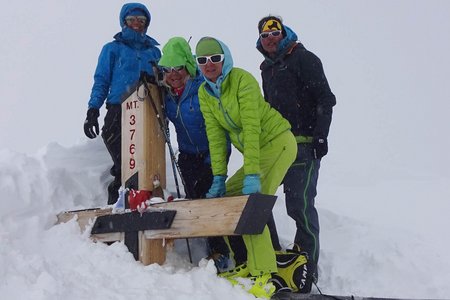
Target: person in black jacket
{"type": "Point", "coordinates": [294, 83]}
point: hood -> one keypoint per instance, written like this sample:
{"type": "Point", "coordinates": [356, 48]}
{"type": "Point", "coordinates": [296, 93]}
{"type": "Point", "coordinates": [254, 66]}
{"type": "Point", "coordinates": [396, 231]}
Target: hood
{"type": "Point", "coordinates": [127, 8]}
{"type": "Point", "coordinates": [177, 52]}
{"type": "Point", "coordinates": [226, 69]}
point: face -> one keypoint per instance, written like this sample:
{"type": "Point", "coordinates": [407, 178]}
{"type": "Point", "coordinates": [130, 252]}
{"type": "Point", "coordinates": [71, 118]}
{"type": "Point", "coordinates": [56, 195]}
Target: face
{"type": "Point", "coordinates": [212, 69]}
{"type": "Point", "coordinates": [175, 78]}
{"type": "Point", "coordinates": [137, 23]}
{"type": "Point", "coordinates": [270, 40]}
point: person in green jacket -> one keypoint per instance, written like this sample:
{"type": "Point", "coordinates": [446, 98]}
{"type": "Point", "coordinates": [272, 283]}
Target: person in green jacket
{"type": "Point", "coordinates": [232, 103]}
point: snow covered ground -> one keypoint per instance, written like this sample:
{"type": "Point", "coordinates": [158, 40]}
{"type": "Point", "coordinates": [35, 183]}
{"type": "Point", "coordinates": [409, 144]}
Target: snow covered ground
{"type": "Point", "coordinates": [378, 239]}
{"type": "Point", "coordinates": [384, 188]}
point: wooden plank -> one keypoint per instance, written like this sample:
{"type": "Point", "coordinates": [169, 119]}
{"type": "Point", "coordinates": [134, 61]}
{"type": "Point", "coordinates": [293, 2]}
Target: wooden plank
{"type": "Point", "coordinates": [84, 217]}
{"type": "Point", "coordinates": [201, 218]}
{"type": "Point", "coordinates": [194, 218]}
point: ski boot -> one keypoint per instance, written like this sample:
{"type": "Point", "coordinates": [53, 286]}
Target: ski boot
{"type": "Point", "coordinates": [221, 261]}
{"type": "Point", "coordinates": [294, 272]}
{"type": "Point", "coordinates": [260, 286]}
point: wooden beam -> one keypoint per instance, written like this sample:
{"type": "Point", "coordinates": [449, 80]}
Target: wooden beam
{"type": "Point", "coordinates": [211, 217]}
{"type": "Point", "coordinates": [194, 218]}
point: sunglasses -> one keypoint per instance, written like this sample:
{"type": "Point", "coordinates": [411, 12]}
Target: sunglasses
{"type": "Point", "coordinates": [215, 59]}
{"type": "Point", "coordinates": [171, 69]}
{"type": "Point", "coordinates": [265, 35]}
{"type": "Point", "coordinates": [132, 19]}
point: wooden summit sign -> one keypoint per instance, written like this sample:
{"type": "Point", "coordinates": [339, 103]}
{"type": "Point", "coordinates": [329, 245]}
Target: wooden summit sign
{"type": "Point", "coordinates": [147, 235]}
{"type": "Point", "coordinates": [143, 155]}
{"type": "Point", "coordinates": [143, 143]}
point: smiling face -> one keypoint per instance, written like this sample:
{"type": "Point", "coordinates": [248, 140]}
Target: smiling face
{"type": "Point", "coordinates": [211, 70]}
{"type": "Point", "coordinates": [176, 79]}
{"type": "Point", "coordinates": [211, 65]}
{"type": "Point", "coordinates": [137, 23]}
{"type": "Point", "coordinates": [270, 41]}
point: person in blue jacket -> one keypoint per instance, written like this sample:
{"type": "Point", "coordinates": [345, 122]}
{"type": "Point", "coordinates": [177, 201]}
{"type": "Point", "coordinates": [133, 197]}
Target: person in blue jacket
{"type": "Point", "coordinates": [119, 67]}
{"type": "Point", "coordinates": [182, 80]}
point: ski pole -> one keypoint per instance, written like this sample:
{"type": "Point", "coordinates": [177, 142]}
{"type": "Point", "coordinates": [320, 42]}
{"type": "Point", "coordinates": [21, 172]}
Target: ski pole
{"type": "Point", "coordinates": [162, 127]}
{"type": "Point", "coordinates": [165, 131]}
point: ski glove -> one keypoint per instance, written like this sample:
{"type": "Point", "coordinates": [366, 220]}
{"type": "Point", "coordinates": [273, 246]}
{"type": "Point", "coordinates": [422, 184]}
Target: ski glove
{"type": "Point", "coordinates": [91, 129]}
{"type": "Point", "coordinates": [252, 184]}
{"type": "Point", "coordinates": [320, 147]}
{"type": "Point", "coordinates": [217, 188]}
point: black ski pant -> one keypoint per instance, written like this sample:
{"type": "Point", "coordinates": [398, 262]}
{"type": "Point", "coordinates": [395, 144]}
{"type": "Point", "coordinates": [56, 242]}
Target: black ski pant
{"type": "Point", "coordinates": [197, 176]}
{"type": "Point", "coordinates": [300, 185]}
{"type": "Point", "coordinates": [111, 134]}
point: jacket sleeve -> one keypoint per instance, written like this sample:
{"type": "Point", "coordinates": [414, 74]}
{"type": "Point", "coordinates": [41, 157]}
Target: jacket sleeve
{"type": "Point", "coordinates": [217, 136]}
{"type": "Point", "coordinates": [249, 99]}
{"type": "Point", "coordinates": [102, 77]}
{"type": "Point", "coordinates": [314, 77]}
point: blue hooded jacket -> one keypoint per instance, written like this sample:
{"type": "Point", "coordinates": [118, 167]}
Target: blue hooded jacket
{"type": "Point", "coordinates": [120, 62]}
{"type": "Point", "coordinates": [187, 118]}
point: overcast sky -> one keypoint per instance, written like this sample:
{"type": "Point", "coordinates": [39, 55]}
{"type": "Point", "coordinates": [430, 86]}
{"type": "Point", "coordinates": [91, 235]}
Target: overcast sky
{"type": "Point", "coordinates": [383, 189]}
{"type": "Point", "coordinates": [387, 62]}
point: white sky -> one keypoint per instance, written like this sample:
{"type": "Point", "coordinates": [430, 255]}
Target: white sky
{"type": "Point", "coordinates": [386, 61]}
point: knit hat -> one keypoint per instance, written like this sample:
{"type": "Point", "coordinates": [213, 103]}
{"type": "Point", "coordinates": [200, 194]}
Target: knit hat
{"type": "Point", "coordinates": [177, 52]}
{"type": "Point", "coordinates": [208, 46]}
{"type": "Point", "coordinates": [271, 23]}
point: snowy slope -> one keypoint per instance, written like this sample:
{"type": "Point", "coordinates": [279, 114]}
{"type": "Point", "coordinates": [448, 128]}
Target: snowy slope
{"type": "Point", "coordinates": [42, 261]}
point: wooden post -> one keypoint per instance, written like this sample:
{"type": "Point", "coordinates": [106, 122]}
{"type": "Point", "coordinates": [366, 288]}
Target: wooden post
{"type": "Point", "coordinates": [143, 155]}
{"type": "Point", "coordinates": [143, 143]}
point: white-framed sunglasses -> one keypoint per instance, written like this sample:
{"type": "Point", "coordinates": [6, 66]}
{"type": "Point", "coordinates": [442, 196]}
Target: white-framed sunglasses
{"type": "Point", "coordinates": [215, 59]}
{"type": "Point", "coordinates": [171, 69]}
{"type": "Point", "coordinates": [266, 34]}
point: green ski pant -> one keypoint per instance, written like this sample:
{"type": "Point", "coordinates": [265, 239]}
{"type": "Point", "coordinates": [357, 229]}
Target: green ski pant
{"type": "Point", "coordinates": [275, 159]}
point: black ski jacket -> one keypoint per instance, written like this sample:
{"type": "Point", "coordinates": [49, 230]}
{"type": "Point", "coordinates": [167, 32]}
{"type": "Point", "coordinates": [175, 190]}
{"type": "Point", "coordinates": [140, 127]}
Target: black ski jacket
{"type": "Point", "coordinates": [294, 83]}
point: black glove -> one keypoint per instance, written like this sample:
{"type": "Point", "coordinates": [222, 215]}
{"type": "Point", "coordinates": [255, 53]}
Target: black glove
{"type": "Point", "coordinates": [91, 123]}
{"type": "Point", "coordinates": [320, 147]}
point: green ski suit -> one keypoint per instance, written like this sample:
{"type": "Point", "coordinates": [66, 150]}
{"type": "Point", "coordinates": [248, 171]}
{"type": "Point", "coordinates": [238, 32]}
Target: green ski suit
{"type": "Point", "coordinates": [234, 105]}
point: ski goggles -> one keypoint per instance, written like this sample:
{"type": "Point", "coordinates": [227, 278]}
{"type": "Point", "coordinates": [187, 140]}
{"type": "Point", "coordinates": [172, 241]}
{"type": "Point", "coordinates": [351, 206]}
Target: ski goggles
{"type": "Point", "coordinates": [266, 34]}
{"type": "Point", "coordinates": [215, 59]}
{"type": "Point", "coordinates": [139, 19]}
{"type": "Point", "coordinates": [171, 69]}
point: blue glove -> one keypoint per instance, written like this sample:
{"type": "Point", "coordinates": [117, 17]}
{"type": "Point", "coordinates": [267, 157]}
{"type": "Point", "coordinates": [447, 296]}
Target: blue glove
{"type": "Point", "coordinates": [217, 188]}
{"type": "Point", "coordinates": [252, 184]}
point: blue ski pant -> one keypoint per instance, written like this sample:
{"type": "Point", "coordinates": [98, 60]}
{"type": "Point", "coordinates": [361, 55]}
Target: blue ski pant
{"type": "Point", "coordinates": [300, 185]}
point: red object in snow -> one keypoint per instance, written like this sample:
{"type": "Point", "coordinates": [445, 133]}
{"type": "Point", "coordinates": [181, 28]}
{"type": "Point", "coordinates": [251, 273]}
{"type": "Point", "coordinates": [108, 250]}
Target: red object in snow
{"type": "Point", "coordinates": [137, 199]}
